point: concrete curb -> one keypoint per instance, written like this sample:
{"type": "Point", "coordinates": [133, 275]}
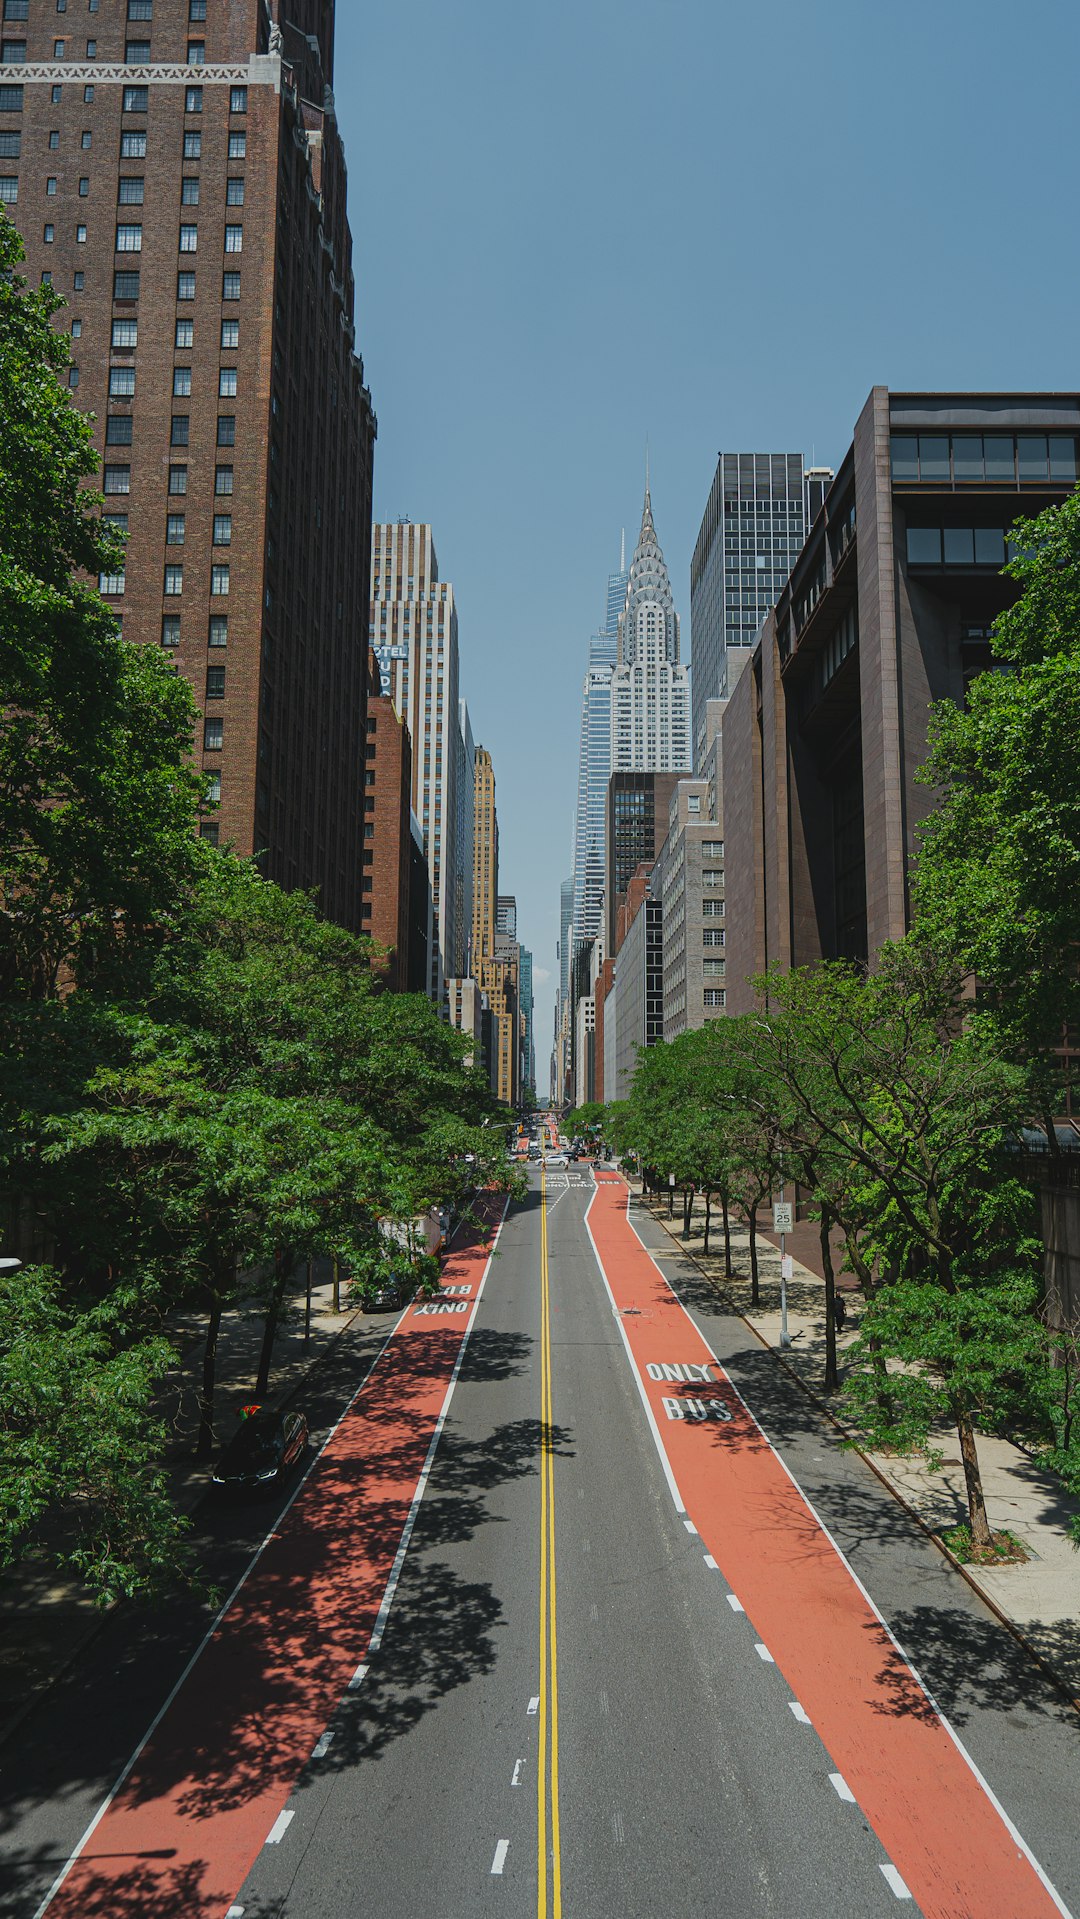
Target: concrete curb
{"type": "Point", "coordinates": [1060, 1684]}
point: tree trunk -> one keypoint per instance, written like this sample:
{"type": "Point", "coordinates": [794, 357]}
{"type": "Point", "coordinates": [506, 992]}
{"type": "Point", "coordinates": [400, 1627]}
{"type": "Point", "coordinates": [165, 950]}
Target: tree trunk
{"type": "Point", "coordinates": [270, 1325]}
{"type": "Point", "coordinates": [204, 1445]}
{"type": "Point", "coordinates": [687, 1211]}
{"type": "Point", "coordinates": [728, 1274]}
{"type": "Point", "coordinates": [755, 1296]}
{"type": "Point", "coordinates": [980, 1525]}
{"type": "Point", "coordinates": [708, 1219]}
{"type": "Point", "coordinates": [832, 1378]}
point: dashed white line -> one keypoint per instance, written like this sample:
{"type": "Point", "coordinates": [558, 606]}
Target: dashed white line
{"type": "Point", "coordinates": [711, 1563]}
{"type": "Point", "coordinates": [516, 1780]}
{"type": "Point", "coordinates": [841, 1788]}
{"type": "Point", "coordinates": [800, 1712]}
{"type": "Point", "coordinates": [895, 1883]}
{"type": "Point", "coordinates": [534, 1704]}
{"type": "Point", "coordinates": [735, 1604]}
{"type": "Point", "coordinates": [501, 1851]}
{"type": "Point", "coordinates": [235, 1912]}
{"type": "Point", "coordinates": [764, 1653]}
{"type": "Point", "coordinates": [690, 1527]}
{"type": "Point", "coordinates": [279, 1828]}
{"type": "Point", "coordinates": [323, 1746]}
{"type": "Point", "coordinates": [358, 1677]}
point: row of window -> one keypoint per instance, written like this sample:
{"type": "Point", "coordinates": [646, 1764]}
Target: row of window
{"type": "Point", "coordinates": [122, 383]}
{"type": "Point", "coordinates": [136, 52]}
{"type": "Point", "coordinates": [129, 237]}
{"type": "Point", "coordinates": [995, 459]}
{"type": "Point", "coordinates": [217, 632]}
{"type": "Point", "coordinates": [119, 429]}
{"type": "Point", "coordinates": [125, 333]}
{"type": "Point", "coordinates": [132, 147]}
{"type": "Point", "coordinates": [126, 283]}
{"type": "Point", "coordinates": [136, 99]}
{"type": "Point", "coordinates": [219, 580]}
{"type": "Point", "coordinates": [136, 9]}
{"type": "Point", "coordinates": [959, 546]}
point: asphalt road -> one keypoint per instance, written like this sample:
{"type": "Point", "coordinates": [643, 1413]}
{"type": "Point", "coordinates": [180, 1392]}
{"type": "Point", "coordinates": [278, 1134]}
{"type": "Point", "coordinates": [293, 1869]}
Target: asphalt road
{"type": "Point", "coordinates": [567, 1709]}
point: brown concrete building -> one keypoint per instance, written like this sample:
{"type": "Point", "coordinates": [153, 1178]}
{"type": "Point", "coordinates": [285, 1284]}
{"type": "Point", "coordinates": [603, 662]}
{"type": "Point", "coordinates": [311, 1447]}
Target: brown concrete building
{"type": "Point", "coordinates": [498, 981]}
{"type": "Point", "coordinates": [177, 173]}
{"type": "Point", "coordinates": [888, 608]}
{"type": "Point", "coordinates": [485, 855]}
{"type": "Point", "coordinates": [385, 910]}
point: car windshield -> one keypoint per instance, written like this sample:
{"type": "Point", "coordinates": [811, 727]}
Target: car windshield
{"type": "Point", "coordinates": [258, 1441]}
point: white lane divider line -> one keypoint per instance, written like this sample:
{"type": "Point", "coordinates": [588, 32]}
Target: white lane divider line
{"type": "Point", "coordinates": [800, 1712]}
{"type": "Point", "coordinates": [841, 1788]}
{"type": "Point", "coordinates": [711, 1563]}
{"type": "Point", "coordinates": [764, 1654]}
{"type": "Point", "coordinates": [279, 1828]}
{"type": "Point", "coordinates": [499, 1860]}
{"type": "Point", "coordinates": [534, 1704]}
{"type": "Point", "coordinates": [516, 1780]}
{"type": "Point", "coordinates": [690, 1527]}
{"type": "Point", "coordinates": [895, 1883]}
{"type": "Point", "coordinates": [618, 1828]}
{"type": "Point", "coordinates": [735, 1604]}
{"type": "Point", "coordinates": [358, 1677]}
{"type": "Point", "coordinates": [235, 1912]}
{"type": "Point", "coordinates": [323, 1746]}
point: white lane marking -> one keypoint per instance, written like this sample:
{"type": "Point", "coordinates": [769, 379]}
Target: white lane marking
{"type": "Point", "coordinates": [358, 1677]}
{"type": "Point", "coordinates": [800, 1712]}
{"type": "Point", "coordinates": [841, 1788]}
{"type": "Point", "coordinates": [690, 1527]}
{"type": "Point", "coordinates": [208, 1635]}
{"type": "Point", "coordinates": [235, 1912]}
{"type": "Point", "coordinates": [639, 1382]}
{"type": "Point", "coordinates": [501, 1851]}
{"type": "Point", "coordinates": [711, 1563]}
{"type": "Point", "coordinates": [895, 1883]}
{"type": "Point", "coordinates": [618, 1828]}
{"type": "Point", "coordinates": [279, 1828]}
{"type": "Point", "coordinates": [764, 1654]}
{"type": "Point", "coordinates": [425, 1472]}
{"type": "Point", "coordinates": [323, 1746]}
{"type": "Point", "coordinates": [534, 1703]}
{"type": "Point", "coordinates": [735, 1604]}
{"type": "Point", "coordinates": [516, 1780]}
{"type": "Point", "coordinates": [1013, 1831]}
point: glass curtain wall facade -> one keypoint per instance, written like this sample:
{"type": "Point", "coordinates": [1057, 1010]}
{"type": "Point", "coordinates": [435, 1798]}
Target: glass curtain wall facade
{"type": "Point", "coordinates": [594, 769]}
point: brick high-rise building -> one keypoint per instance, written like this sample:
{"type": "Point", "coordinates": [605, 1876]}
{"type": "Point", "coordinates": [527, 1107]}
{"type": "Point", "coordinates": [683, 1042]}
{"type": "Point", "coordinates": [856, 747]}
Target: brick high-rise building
{"type": "Point", "coordinates": [485, 856]}
{"type": "Point", "coordinates": [385, 907]}
{"type": "Point", "coordinates": [177, 173]}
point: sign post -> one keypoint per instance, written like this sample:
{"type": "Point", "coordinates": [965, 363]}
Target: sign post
{"type": "Point", "coordinates": [783, 1221]}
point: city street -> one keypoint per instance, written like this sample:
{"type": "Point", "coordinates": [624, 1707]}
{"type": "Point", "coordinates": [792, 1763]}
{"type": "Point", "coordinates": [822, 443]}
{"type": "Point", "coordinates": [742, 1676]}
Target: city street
{"type": "Point", "coordinates": [581, 1610]}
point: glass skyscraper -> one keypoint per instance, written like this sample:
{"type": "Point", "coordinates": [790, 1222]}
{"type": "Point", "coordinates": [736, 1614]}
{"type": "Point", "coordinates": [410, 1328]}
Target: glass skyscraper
{"type": "Point", "coordinates": [594, 768]}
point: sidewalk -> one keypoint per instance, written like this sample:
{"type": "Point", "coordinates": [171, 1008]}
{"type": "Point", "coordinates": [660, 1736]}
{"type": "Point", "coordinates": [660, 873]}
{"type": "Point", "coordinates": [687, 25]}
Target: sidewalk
{"type": "Point", "coordinates": [45, 1621]}
{"type": "Point", "coordinates": [1039, 1600]}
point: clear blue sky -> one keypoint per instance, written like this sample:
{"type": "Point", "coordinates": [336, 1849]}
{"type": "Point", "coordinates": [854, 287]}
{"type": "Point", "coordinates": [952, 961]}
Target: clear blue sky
{"type": "Point", "coordinates": [579, 225]}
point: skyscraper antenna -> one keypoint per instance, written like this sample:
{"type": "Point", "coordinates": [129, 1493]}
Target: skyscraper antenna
{"type": "Point", "coordinates": [622, 552]}
{"type": "Point", "coordinates": [646, 463]}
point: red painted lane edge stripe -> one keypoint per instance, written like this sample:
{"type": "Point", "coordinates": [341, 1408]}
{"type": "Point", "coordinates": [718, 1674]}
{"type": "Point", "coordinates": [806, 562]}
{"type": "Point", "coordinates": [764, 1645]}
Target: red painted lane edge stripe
{"type": "Point", "coordinates": [182, 1829]}
{"type": "Point", "coordinates": [937, 1820]}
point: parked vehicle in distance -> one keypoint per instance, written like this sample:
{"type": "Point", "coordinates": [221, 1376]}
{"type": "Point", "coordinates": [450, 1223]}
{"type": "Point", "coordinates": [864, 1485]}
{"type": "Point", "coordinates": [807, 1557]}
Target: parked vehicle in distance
{"type": "Point", "coordinates": [558, 1159]}
{"type": "Point", "coordinates": [264, 1448]}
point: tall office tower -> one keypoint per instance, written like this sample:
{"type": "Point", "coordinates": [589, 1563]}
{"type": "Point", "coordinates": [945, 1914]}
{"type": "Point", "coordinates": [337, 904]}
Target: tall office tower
{"type": "Point", "coordinates": [506, 916]}
{"type": "Point", "coordinates": [485, 856]}
{"type": "Point", "coordinates": [466, 838]}
{"type": "Point", "coordinates": [385, 908]}
{"type": "Point", "coordinates": [650, 689]}
{"type": "Point", "coordinates": [594, 766]}
{"type": "Point", "coordinates": [528, 1063]}
{"type": "Point", "coordinates": [566, 914]}
{"type": "Point", "coordinates": [760, 509]}
{"type": "Point", "coordinates": [415, 635]}
{"type": "Point", "coordinates": [180, 180]}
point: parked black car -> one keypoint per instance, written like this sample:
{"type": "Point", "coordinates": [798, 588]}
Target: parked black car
{"type": "Point", "coordinates": [264, 1448]}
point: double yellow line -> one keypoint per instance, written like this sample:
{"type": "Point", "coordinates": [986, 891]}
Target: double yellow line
{"type": "Point", "coordinates": [547, 1772]}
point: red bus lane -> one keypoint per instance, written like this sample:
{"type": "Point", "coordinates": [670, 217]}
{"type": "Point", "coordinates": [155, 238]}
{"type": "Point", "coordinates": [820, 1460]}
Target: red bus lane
{"type": "Point", "coordinates": [939, 1824]}
{"type": "Point", "coordinates": [179, 1836]}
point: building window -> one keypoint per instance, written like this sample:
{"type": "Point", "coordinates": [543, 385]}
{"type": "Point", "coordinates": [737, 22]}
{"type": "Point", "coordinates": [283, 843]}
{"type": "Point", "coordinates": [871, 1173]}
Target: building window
{"type": "Point", "coordinates": [51, 185]}
{"type": "Point", "coordinates": [177, 480]}
{"type": "Point", "coordinates": [73, 376]}
{"type": "Point", "coordinates": [48, 233]}
{"type": "Point", "coordinates": [125, 285]}
{"type": "Point", "coordinates": [234, 193]}
{"type": "Point", "coordinates": [136, 99]}
{"type": "Point", "coordinates": [219, 580]}
{"type": "Point", "coordinates": [213, 735]}
{"type": "Point", "coordinates": [121, 382]}
{"type": "Point", "coordinates": [238, 100]}
{"type": "Point", "coordinates": [137, 53]}
{"type": "Point", "coordinates": [238, 146]}
{"type": "Point", "coordinates": [129, 239]}
{"type": "Point", "coordinates": [715, 996]}
{"type": "Point", "coordinates": [185, 333]}
{"type": "Point", "coordinates": [223, 479]}
{"type": "Point", "coordinates": [9, 189]}
{"type": "Point", "coordinates": [189, 239]}
{"type": "Point", "coordinates": [210, 832]}
{"type": "Point", "coordinates": [196, 9]}
{"type": "Point", "coordinates": [213, 789]}
{"type": "Point", "coordinates": [174, 530]}
{"type": "Point", "coordinates": [219, 630]}
{"type": "Point", "coordinates": [80, 236]}
{"type": "Point", "coordinates": [227, 383]}
{"type": "Point", "coordinates": [230, 334]}
{"type": "Point", "coordinates": [181, 382]}
{"type": "Point", "coordinates": [234, 239]}
{"type": "Point", "coordinates": [181, 429]}
{"type": "Point", "coordinates": [132, 147]}
{"type": "Point", "coordinates": [193, 146]}
{"type": "Point", "coordinates": [230, 286]}
{"type": "Point", "coordinates": [712, 849]}
{"type": "Point", "coordinates": [226, 429]}
{"type": "Point", "coordinates": [117, 479]}
{"type": "Point", "coordinates": [193, 100]}
{"type": "Point", "coordinates": [189, 191]}
{"type": "Point", "coordinates": [118, 429]}
{"type": "Point", "coordinates": [125, 333]}
{"type": "Point", "coordinates": [111, 583]}
{"type": "Point", "coordinates": [13, 53]}
{"type": "Point", "coordinates": [215, 682]}
{"type": "Point", "coordinates": [140, 9]}
{"type": "Point", "coordinates": [170, 630]}
{"type": "Point", "coordinates": [196, 53]}
{"type": "Point", "coordinates": [713, 936]}
{"type": "Point", "coordinates": [185, 286]}
{"type": "Point", "coordinates": [223, 529]}
{"type": "Point", "coordinates": [174, 581]}
{"type": "Point", "coordinates": [11, 99]}
{"type": "Point", "coordinates": [91, 49]}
